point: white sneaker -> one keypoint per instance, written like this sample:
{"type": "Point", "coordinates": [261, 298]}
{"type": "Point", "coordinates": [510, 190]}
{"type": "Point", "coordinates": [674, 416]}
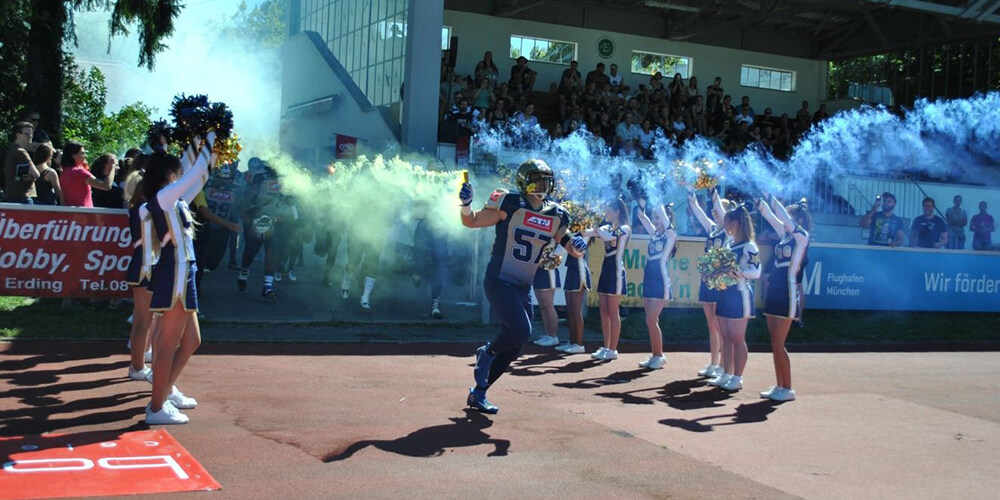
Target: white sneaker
{"type": "Point", "coordinates": [654, 362]}
{"type": "Point", "coordinates": [547, 341]}
{"type": "Point", "coordinates": [734, 384]}
{"type": "Point", "coordinates": [710, 371]}
{"type": "Point", "coordinates": [770, 390]}
{"type": "Point", "coordinates": [598, 353]}
{"type": "Point", "coordinates": [720, 380]}
{"type": "Point", "coordinates": [277, 277]}
{"type": "Point", "coordinates": [291, 275]}
{"type": "Point", "coordinates": [345, 286]}
{"type": "Point", "coordinates": [179, 400]}
{"type": "Point", "coordinates": [717, 371]}
{"type": "Point", "coordinates": [609, 355]}
{"type": "Point", "coordinates": [365, 302]}
{"type": "Point", "coordinates": [148, 356]}
{"type": "Point", "coordinates": [574, 349]}
{"type": "Point", "coordinates": [782, 395]}
{"type": "Point", "coordinates": [168, 415]}
{"type": "Point", "coordinates": [145, 374]}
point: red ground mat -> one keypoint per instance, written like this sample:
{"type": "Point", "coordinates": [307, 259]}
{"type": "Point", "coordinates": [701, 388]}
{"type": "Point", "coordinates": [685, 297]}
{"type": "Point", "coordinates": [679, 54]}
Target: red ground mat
{"type": "Point", "coordinates": [98, 464]}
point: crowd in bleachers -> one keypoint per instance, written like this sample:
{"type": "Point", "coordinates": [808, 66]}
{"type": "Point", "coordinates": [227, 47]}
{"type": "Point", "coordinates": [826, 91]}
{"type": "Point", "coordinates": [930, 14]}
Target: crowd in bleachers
{"type": "Point", "coordinates": [623, 117]}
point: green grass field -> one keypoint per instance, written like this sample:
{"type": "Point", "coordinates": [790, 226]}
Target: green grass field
{"type": "Point", "coordinates": [27, 318]}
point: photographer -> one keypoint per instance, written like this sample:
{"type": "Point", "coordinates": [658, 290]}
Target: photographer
{"type": "Point", "coordinates": [20, 172]}
{"type": "Point", "coordinates": [884, 228]}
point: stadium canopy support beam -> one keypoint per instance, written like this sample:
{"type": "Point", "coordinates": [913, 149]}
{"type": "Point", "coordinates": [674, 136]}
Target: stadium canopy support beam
{"type": "Point", "coordinates": [422, 65]}
{"type": "Point", "coordinates": [948, 10]}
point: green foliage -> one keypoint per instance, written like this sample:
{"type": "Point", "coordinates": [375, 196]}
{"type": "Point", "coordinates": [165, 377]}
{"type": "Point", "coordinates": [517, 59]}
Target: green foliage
{"type": "Point", "coordinates": [264, 25]}
{"type": "Point", "coordinates": [648, 64]}
{"type": "Point", "coordinates": [85, 120]}
{"type": "Point", "coordinates": [153, 18]}
{"type": "Point", "coordinates": [13, 48]}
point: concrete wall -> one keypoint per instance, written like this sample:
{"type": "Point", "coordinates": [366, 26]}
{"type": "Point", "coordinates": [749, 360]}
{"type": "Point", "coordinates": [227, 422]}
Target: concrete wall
{"type": "Point", "coordinates": [310, 75]}
{"type": "Point", "coordinates": [478, 33]}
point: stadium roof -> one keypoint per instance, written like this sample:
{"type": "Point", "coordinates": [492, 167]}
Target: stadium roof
{"type": "Point", "coordinates": [814, 29]}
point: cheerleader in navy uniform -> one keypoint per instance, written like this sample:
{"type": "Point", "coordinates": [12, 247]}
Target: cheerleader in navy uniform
{"type": "Point", "coordinates": [168, 229]}
{"type": "Point", "coordinates": [544, 286]}
{"type": "Point", "coordinates": [575, 288]}
{"type": "Point", "coordinates": [735, 304]}
{"type": "Point", "coordinates": [141, 317]}
{"type": "Point", "coordinates": [783, 303]}
{"type": "Point", "coordinates": [717, 237]}
{"type": "Point", "coordinates": [656, 278]}
{"type": "Point", "coordinates": [526, 222]}
{"type": "Point", "coordinates": [611, 284]}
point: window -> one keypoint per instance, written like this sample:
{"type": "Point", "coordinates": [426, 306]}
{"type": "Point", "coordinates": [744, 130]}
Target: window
{"type": "Point", "coordinates": [539, 49]}
{"type": "Point", "coordinates": [767, 78]}
{"type": "Point", "coordinates": [445, 37]}
{"type": "Point", "coordinates": [648, 63]}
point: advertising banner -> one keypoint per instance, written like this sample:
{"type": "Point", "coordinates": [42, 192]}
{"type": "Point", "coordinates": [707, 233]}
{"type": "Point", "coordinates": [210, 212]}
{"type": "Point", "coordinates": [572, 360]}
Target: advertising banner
{"type": "Point", "coordinates": [347, 146]}
{"type": "Point", "coordinates": [63, 251]}
{"type": "Point", "coordinates": [902, 279]}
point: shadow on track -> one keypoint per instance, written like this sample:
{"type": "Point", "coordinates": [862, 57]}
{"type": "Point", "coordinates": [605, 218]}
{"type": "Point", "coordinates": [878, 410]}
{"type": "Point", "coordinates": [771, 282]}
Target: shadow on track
{"type": "Point", "coordinates": [677, 394]}
{"type": "Point", "coordinates": [433, 441]}
{"type": "Point", "coordinates": [747, 413]}
{"type": "Point", "coordinates": [614, 378]}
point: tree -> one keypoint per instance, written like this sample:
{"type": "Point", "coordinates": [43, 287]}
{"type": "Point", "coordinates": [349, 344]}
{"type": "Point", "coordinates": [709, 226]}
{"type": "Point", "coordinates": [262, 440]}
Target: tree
{"type": "Point", "coordinates": [263, 25]}
{"type": "Point", "coordinates": [49, 26]}
{"type": "Point", "coordinates": [13, 47]}
{"type": "Point", "coordinates": [85, 121]}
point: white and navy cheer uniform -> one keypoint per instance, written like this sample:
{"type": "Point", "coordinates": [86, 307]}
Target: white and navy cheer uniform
{"type": "Point", "coordinates": [134, 276]}
{"type": "Point", "coordinates": [546, 279]}
{"type": "Point", "coordinates": [612, 278]}
{"type": "Point", "coordinates": [167, 218]}
{"type": "Point", "coordinates": [782, 298]}
{"type": "Point", "coordinates": [736, 302]}
{"type": "Point", "coordinates": [716, 238]}
{"type": "Point", "coordinates": [655, 277]}
{"type": "Point", "coordinates": [577, 274]}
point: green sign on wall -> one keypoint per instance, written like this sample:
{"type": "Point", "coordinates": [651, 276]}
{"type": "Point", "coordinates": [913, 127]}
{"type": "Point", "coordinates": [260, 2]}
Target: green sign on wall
{"type": "Point", "coordinates": [605, 48]}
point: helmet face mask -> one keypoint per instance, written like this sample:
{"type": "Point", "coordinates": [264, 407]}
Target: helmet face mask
{"type": "Point", "coordinates": [534, 177]}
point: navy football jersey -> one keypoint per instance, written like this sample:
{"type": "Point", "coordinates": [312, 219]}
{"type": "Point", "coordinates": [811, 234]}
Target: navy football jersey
{"type": "Point", "coordinates": [520, 238]}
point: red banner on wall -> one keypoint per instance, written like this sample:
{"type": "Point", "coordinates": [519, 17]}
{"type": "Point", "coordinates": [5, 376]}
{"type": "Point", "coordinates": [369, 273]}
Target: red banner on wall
{"type": "Point", "coordinates": [64, 251]}
{"type": "Point", "coordinates": [347, 147]}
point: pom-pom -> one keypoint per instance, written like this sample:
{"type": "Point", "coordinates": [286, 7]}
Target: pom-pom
{"type": "Point", "coordinates": [158, 129]}
{"type": "Point", "coordinates": [718, 268]}
{"type": "Point", "coordinates": [219, 118]}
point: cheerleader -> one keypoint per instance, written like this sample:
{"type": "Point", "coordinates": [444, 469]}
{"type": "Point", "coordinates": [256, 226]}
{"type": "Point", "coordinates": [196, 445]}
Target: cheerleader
{"type": "Point", "coordinates": [735, 305]}
{"type": "Point", "coordinates": [717, 237]}
{"type": "Point", "coordinates": [575, 288]}
{"type": "Point", "coordinates": [783, 302]}
{"type": "Point", "coordinates": [168, 247]}
{"type": "Point", "coordinates": [139, 343]}
{"type": "Point", "coordinates": [526, 222]}
{"type": "Point", "coordinates": [611, 285]}
{"type": "Point", "coordinates": [655, 277]}
{"type": "Point", "coordinates": [544, 286]}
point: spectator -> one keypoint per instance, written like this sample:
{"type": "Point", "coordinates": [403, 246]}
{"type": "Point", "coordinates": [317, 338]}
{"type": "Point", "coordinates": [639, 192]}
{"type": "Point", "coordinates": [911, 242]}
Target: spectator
{"type": "Point", "coordinates": [820, 114]}
{"type": "Point", "coordinates": [498, 116]}
{"type": "Point", "coordinates": [522, 78]}
{"type": "Point", "coordinates": [47, 186]}
{"type": "Point", "coordinates": [768, 119]}
{"type": "Point", "coordinates": [698, 117]}
{"type": "Point", "coordinates": [957, 219]}
{"type": "Point", "coordinates": [526, 118]}
{"type": "Point", "coordinates": [627, 133]}
{"type": "Point", "coordinates": [101, 169]}
{"type": "Point", "coordinates": [745, 101]}
{"type": "Point", "coordinates": [884, 228]}
{"type": "Point", "coordinates": [77, 181]}
{"type": "Point", "coordinates": [692, 89]}
{"type": "Point", "coordinates": [39, 135]}
{"type": "Point", "coordinates": [571, 80]}
{"type": "Point", "coordinates": [597, 76]}
{"type": "Point", "coordinates": [656, 82]}
{"type": "Point", "coordinates": [615, 79]}
{"type": "Point", "coordinates": [744, 115]}
{"type": "Point", "coordinates": [20, 172]}
{"type": "Point", "coordinates": [715, 89]}
{"type": "Point", "coordinates": [449, 88]}
{"type": "Point", "coordinates": [487, 69]}
{"type": "Point", "coordinates": [928, 230]}
{"type": "Point", "coordinates": [678, 91]}
{"type": "Point", "coordinates": [645, 140]}
{"type": "Point", "coordinates": [803, 117]}
{"type": "Point", "coordinates": [483, 97]}
{"type": "Point", "coordinates": [982, 225]}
